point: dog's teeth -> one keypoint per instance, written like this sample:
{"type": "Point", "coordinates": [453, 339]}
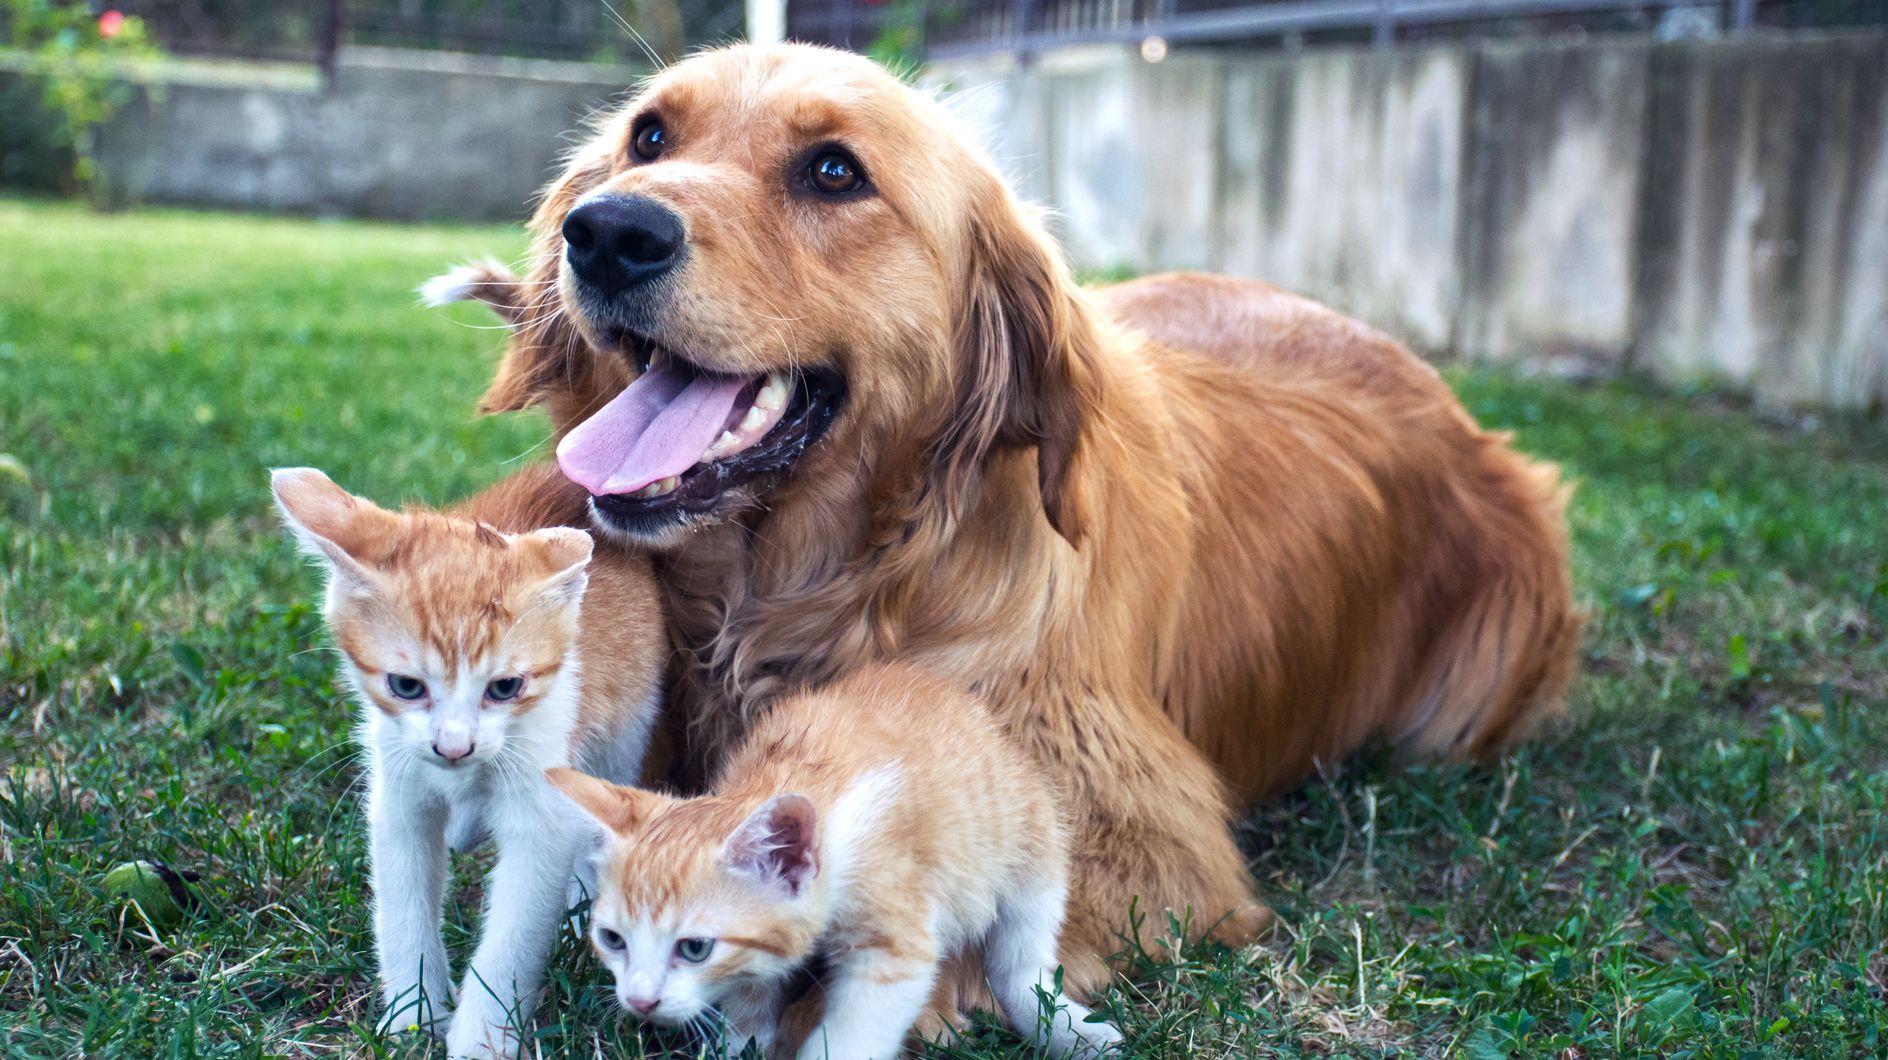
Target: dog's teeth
{"type": "Point", "coordinates": [659, 487]}
{"type": "Point", "coordinates": [649, 491]}
{"type": "Point", "coordinates": [754, 418]}
{"type": "Point", "coordinates": [774, 394]}
{"type": "Point", "coordinates": [722, 446]}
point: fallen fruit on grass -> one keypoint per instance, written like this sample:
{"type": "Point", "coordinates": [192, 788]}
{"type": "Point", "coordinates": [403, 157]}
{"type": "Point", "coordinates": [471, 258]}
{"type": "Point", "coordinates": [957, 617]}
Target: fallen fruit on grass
{"type": "Point", "coordinates": [152, 887]}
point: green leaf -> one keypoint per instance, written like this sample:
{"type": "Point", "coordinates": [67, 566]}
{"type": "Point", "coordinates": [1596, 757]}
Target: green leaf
{"type": "Point", "coordinates": [1740, 658]}
{"type": "Point", "coordinates": [1671, 1011]}
{"type": "Point", "coordinates": [190, 661]}
{"type": "Point", "coordinates": [1482, 1046]}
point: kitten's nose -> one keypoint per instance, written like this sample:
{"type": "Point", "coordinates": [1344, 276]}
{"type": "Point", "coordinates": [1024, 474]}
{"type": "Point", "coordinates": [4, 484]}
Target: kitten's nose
{"type": "Point", "coordinates": [643, 1005]}
{"type": "Point", "coordinates": [452, 752]}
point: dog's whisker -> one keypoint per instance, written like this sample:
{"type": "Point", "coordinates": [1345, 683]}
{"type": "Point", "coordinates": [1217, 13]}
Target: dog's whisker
{"type": "Point", "coordinates": [533, 448]}
{"type": "Point", "coordinates": [654, 59]}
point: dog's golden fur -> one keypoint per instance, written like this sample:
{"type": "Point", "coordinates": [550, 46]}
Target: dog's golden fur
{"type": "Point", "coordinates": [1188, 535]}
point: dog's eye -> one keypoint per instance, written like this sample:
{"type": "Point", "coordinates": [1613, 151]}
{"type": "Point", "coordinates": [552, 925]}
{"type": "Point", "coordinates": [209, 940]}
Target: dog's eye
{"type": "Point", "coordinates": [834, 172]}
{"type": "Point", "coordinates": [405, 687]}
{"type": "Point", "coordinates": [651, 140]}
{"type": "Point", "coordinates": [504, 688]}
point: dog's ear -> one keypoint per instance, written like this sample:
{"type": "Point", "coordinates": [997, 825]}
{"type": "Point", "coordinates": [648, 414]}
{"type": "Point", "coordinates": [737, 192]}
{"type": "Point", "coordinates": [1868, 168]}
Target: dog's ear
{"type": "Point", "coordinates": [1026, 346]}
{"type": "Point", "coordinates": [547, 361]}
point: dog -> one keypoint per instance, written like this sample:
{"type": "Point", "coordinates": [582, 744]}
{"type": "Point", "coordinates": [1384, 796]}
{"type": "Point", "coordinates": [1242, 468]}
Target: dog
{"type": "Point", "coordinates": [1188, 535]}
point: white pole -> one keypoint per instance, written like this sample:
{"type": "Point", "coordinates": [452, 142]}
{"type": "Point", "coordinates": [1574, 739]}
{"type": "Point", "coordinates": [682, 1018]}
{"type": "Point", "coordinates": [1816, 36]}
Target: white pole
{"type": "Point", "coordinates": [766, 21]}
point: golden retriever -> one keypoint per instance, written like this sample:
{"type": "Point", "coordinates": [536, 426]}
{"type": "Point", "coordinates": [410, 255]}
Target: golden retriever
{"type": "Point", "coordinates": [1188, 535]}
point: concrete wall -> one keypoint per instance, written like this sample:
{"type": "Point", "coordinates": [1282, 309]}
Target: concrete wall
{"type": "Point", "coordinates": [1697, 209]}
{"type": "Point", "coordinates": [1765, 242]}
{"type": "Point", "coordinates": [395, 134]}
{"type": "Point", "coordinates": [1550, 204]}
{"type": "Point", "coordinates": [1297, 133]}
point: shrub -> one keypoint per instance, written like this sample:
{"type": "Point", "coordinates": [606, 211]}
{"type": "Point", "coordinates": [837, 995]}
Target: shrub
{"type": "Point", "coordinates": [71, 71]}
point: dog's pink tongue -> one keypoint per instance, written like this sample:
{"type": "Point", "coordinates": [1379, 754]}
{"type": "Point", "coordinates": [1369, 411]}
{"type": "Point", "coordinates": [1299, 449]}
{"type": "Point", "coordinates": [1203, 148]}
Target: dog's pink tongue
{"type": "Point", "coordinates": [657, 427]}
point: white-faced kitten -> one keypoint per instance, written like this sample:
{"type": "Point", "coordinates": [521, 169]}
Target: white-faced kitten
{"type": "Point", "coordinates": [480, 661]}
{"type": "Point", "coordinates": [885, 822]}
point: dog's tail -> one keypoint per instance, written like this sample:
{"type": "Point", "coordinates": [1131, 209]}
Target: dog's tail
{"type": "Point", "coordinates": [1503, 665]}
{"type": "Point", "coordinates": [485, 281]}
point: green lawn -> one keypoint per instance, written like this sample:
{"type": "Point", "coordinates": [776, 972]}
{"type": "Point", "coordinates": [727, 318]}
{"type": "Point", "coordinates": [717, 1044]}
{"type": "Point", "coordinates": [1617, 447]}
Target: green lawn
{"type": "Point", "coordinates": [1696, 863]}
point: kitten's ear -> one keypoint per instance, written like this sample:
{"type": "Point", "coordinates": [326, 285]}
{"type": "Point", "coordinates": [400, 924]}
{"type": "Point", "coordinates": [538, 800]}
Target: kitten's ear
{"type": "Point", "coordinates": [616, 808]}
{"type": "Point", "coordinates": [326, 519]}
{"type": "Point", "coordinates": [566, 554]}
{"type": "Point", "coordinates": [777, 845]}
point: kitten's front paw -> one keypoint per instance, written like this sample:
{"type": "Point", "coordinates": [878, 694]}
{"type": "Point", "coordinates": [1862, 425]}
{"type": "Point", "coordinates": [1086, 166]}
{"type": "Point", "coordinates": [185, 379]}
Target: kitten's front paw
{"type": "Point", "coordinates": [475, 1037]}
{"type": "Point", "coordinates": [1074, 1036]}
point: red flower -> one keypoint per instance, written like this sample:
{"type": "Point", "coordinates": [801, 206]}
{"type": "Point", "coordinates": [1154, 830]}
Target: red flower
{"type": "Point", "coordinates": [110, 24]}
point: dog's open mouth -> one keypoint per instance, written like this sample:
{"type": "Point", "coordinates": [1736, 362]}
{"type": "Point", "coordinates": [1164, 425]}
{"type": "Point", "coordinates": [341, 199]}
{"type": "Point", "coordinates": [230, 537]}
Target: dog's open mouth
{"type": "Point", "coordinates": [680, 437]}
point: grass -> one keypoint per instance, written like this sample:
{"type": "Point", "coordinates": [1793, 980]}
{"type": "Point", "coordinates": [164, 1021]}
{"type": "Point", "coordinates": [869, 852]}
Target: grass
{"type": "Point", "coordinates": [1694, 863]}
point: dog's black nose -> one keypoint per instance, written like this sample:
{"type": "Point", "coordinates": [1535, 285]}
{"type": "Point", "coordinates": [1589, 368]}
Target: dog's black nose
{"type": "Point", "coordinates": [615, 242]}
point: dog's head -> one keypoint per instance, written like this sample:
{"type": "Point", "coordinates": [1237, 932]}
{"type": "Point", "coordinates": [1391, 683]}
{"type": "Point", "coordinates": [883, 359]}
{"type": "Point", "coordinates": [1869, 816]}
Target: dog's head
{"type": "Point", "coordinates": [781, 268]}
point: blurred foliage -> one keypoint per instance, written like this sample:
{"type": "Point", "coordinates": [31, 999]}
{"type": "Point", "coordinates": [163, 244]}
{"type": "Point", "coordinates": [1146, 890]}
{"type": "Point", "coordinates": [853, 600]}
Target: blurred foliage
{"type": "Point", "coordinates": [899, 45]}
{"type": "Point", "coordinates": [73, 71]}
{"type": "Point", "coordinates": [261, 28]}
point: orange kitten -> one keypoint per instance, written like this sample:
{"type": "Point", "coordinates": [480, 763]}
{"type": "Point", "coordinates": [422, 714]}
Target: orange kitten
{"type": "Point", "coordinates": [480, 661]}
{"type": "Point", "coordinates": [883, 822]}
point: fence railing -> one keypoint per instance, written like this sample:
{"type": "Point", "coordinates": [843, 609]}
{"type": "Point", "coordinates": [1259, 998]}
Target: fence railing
{"type": "Point", "coordinates": [960, 27]}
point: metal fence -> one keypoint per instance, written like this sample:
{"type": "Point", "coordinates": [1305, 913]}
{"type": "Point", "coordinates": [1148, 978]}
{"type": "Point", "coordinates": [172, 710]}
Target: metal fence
{"type": "Point", "coordinates": [1023, 26]}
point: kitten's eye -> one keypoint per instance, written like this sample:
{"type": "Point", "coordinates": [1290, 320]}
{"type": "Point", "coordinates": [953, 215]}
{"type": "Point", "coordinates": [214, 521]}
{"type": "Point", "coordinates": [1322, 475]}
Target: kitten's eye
{"type": "Point", "coordinates": [405, 687]}
{"type": "Point", "coordinates": [504, 688]}
{"type": "Point", "coordinates": [650, 141]}
{"type": "Point", "coordinates": [834, 172]}
{"type": "Point", "coordinates": [694, 951]}
{"type": "Point", "coordinates": [608, 939]}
